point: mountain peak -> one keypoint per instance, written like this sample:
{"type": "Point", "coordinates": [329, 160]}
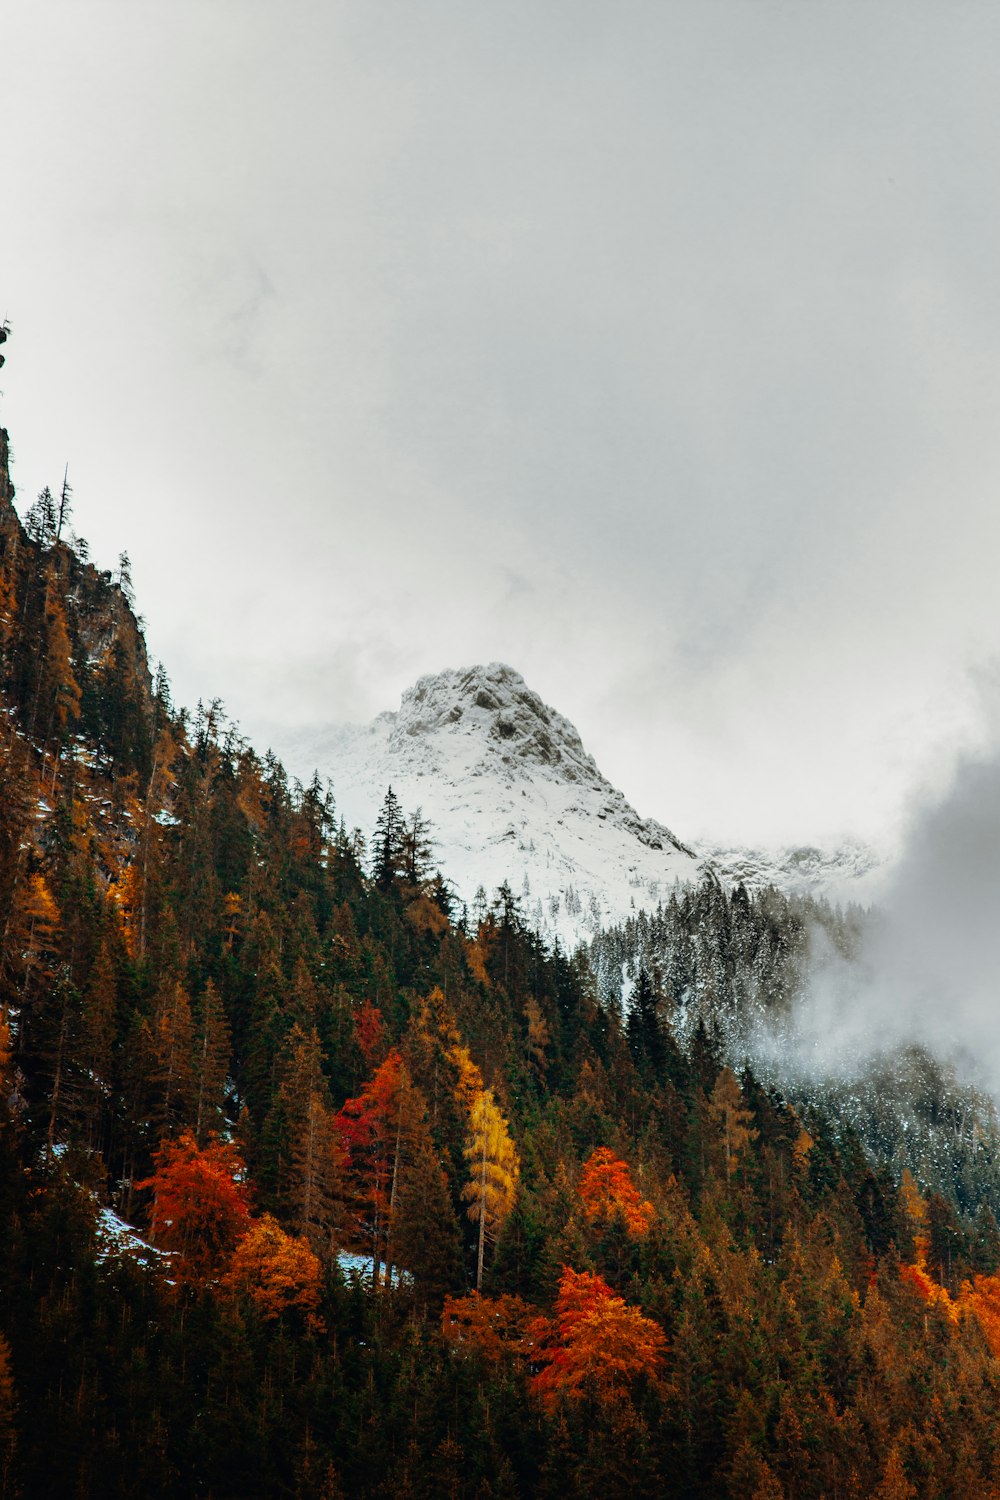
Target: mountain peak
{"type": "Point", "coordinates": [513, 796]}
{"type": "Point", "coordinates": [494, 703]}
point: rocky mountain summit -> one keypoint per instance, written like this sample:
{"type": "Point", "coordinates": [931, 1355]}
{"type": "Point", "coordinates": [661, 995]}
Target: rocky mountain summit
{"type": "Point", "coordinates": [513, 795]}
{"type": "Point", "coordinates": [520, 735]}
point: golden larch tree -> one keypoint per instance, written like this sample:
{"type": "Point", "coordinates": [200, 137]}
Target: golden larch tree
{"type": "Point", "coordinates": [495, 1167]}
{"type": "Point", "coordinates": [278, 1272]}
{"type": "Point", "coordinates": [728, 1111]}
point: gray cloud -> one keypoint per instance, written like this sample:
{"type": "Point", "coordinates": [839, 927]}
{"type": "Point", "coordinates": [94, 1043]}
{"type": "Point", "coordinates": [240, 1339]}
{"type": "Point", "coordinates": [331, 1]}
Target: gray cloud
{"type": "Point", "coordinates": [929, 970]}
{"type": "Point", "coordinates": [684, 315]}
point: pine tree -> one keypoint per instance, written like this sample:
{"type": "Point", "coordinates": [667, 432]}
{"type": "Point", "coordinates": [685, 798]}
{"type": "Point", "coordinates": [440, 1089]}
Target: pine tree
{"type": "Point", "coordinates": [96, 1044]}
{"type": "Point", "coordinates": [307, 1159]}
{"type": "Point", "coordinates": [65, 507]}
{"type": "Point", "coordinates": [416, 849]}
{"type": "Point", "coordinates": [173, 1045]}
{"type": "Point", "coordinates": [732, 1120]}
{"type": "Point", "coordinates": [426, 1240]}
{"type": "Point", "coordinates": [645, 1026]}
{"type": "Point", "coordinates": [211, 1063]}
{"type": "Point", "coordinates": [40, 521]}
{"type": "Point", "coordinates": [388, 861]}
{"type": "Point", "coordinates": [316, 1187]}
{"type": "Point", "coordinates": [383, 1129]}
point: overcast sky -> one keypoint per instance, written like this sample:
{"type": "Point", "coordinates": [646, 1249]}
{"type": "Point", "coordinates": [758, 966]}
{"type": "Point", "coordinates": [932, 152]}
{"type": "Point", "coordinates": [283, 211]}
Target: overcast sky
{"type": "Point", "coordinates": [652, 348]}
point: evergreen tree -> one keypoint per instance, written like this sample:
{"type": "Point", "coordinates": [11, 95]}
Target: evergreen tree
{"type": "Point", "coordinates": [426, 1237]}
{"type": "Point", "coordinates": [645, 1025]}
{"type": "Point", "coordinates": [388, 846]}
{"type": "Point", "coordinates": [211, 1063]}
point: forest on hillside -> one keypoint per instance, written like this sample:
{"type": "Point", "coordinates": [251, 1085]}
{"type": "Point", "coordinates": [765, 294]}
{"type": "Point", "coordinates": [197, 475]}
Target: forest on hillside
{"type": "Point", "coordinates": [311, 1187]}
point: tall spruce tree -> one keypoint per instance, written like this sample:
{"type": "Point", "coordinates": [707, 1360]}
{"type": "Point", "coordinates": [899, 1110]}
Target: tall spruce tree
{"type": "Point", "coordinates": [388, 851]}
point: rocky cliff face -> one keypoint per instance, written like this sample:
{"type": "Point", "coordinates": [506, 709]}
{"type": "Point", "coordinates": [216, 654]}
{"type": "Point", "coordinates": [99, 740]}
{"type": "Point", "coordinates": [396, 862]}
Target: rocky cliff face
{"type": "Point", "coordinates": [48, 587]}
{"type": "Point", "coordinates": [6, 488]}
{"type": "Point", "coordinates": [519, 735]}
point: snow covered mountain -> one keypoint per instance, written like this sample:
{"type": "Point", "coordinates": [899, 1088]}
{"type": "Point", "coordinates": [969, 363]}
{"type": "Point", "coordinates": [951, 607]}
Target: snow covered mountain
{"type": "Point", "coordinates": [850, 872]}
{"type": "Point", "coordinates": [513, 795]}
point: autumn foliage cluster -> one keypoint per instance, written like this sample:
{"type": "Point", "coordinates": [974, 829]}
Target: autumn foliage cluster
{"type": "Point", "coordinates": [315, 1185]}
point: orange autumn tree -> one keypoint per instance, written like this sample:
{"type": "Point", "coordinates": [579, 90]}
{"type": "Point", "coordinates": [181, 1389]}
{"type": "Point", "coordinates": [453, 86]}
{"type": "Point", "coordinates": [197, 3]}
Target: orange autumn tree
{"type": "Point", "coordinates": [382, 1130]}
{"type": "Point", "coordinates": [277, 1271]}
{"type": "Point", "coordinates": [982, 1297]}
{"type": "Point", "coordinates": [490, 1326]}
{"type": "Point", "coordinates": [607, 1193]}
{"type": "Point", "coordinates": [365, 1127]}
{"type": "Point", "coordinates": [200, 1204]}
{"type": "Point", "coordinates": [917, 1275]}
{"type": "Point", "coordinates": [595, 1345]}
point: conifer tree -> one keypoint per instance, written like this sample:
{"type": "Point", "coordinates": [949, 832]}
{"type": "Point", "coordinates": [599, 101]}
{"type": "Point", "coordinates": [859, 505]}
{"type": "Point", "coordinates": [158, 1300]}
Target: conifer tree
{"type": "Point", "coordinates": [308, 1163]}
{"type": "Point", "coordinates": [416, 848]}
{"type": "Point", "coordinates": [732, 1120]}
{"type": "Point", "coordinates": [494, 1167]}
{"type": "Point", "coordinates": [388, 843]}
{"type": "Point", "coordinates": [383, 1128]}
{"type": "Point", "coordinates": [426, 1239]}
{"type": "Point", "coordinates": [645, 1025]}
{"type": "Point", "coordinates": [96, 1043]}
{"type": "Point", "coordinates": [173, 1045]}
{"type": "Point", "coordinates": [317, 1169]}
{"type": "Point", "coordinates": [211, 1063]}
{"type": "Point", "coordinates": [40, 521]}
{"type": "Point", "coordinates": [64, 508]}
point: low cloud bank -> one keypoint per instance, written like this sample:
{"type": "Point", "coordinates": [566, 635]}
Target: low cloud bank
{"type": "Point", "coordinates": [928, 973]}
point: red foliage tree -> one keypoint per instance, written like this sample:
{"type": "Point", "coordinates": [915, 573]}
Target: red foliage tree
{"type": "Point", "coordinates": [370, 1033]}
{"type": "Point", "coordinates": [379, 1130]}
{"type": "Point", "coordinates": [608, 1193]}
{"type": "Point", "coordinates": [200, 1204]}
{"type": "Point", "coordinates": [595, 1346]}
{"type": "Point", "coordinates": [492, 1326]}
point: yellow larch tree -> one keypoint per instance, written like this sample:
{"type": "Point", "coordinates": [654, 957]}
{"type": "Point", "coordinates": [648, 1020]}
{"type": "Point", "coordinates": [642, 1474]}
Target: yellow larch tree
{"type": "Point", "coordinates": [495, 1166]}
{"type": "Point", "coordinates": [727, 1109]}
{"type": "Point", "coordinates": [278, 1272]}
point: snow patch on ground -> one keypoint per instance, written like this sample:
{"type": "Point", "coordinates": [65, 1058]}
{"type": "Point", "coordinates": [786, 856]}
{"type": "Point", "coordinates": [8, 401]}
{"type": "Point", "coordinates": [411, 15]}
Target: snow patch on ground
{"type": "Point", "coordinates": [115, 1237]}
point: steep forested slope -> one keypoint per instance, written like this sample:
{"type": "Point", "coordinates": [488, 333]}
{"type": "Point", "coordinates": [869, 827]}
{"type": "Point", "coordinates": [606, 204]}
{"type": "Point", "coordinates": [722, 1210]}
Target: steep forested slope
{"type": "Point", "coordinates": [230, 1027]}
{"type": "Point", "coordinates": [739, 963]}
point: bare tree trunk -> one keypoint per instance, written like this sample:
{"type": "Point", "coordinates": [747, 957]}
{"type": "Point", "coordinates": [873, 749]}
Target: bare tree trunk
{"type": "Point", "coordinates": [392, 1197]}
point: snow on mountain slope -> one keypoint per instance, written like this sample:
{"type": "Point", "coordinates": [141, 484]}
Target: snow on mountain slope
{"type": "Point", "coordinates": [512, 795]}
{"type": "Point", "coordinates": [850, 872]}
